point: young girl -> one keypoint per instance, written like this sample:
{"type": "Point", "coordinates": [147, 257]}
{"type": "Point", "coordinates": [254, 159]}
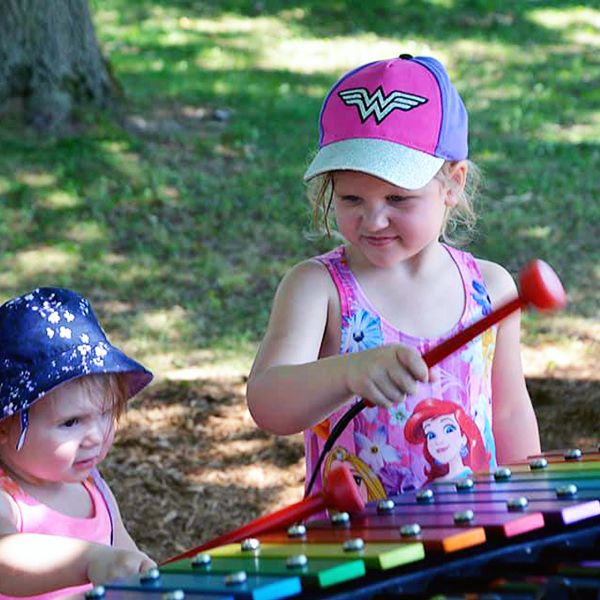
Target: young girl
{"type": "Point", "coordinates": [62, 386]}
{"type": "Point", "coordinates": [392, 164]}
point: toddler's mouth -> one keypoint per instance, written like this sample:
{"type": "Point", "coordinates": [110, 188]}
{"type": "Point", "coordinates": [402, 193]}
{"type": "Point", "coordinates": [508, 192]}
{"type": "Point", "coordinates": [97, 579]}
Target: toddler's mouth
{"type": "Point", "coordinates": [86, 463]}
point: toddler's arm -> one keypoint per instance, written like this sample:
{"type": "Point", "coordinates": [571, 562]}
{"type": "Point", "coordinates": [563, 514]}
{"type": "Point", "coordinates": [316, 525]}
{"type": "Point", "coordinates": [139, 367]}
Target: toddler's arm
{"type": "Point", "coordinates": [514, 421]}
{"type": "Point", "coordinates": [291, 389]}
{"type": "Point", "coordinates": [32, 563]}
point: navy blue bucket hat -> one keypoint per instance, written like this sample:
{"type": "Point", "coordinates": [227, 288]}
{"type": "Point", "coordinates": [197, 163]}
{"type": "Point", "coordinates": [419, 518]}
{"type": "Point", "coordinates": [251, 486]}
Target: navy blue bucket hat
{"type": "Point", "coordinates": [48, 337]}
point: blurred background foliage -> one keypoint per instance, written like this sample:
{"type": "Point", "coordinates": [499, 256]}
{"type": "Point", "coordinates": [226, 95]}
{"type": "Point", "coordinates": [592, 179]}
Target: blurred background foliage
{"type": "Point", "coordinates": [178, 211]}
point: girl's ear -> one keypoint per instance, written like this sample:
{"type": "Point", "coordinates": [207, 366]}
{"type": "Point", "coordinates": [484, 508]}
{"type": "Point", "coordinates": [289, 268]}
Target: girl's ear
{"type": "Point", "coordinates": [456, 178]}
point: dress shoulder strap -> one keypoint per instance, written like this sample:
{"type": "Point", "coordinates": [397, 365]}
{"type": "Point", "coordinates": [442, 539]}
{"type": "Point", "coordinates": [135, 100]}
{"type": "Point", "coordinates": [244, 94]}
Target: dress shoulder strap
{"type": "Point", "coordinates": [107, 498]}
{"type": "Point", "coordinates": [336, 263]}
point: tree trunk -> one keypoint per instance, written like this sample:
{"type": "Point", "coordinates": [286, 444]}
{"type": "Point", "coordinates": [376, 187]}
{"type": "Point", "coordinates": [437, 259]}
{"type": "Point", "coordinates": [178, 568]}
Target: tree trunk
{"type": "Point", "coordinates": [49, 57]}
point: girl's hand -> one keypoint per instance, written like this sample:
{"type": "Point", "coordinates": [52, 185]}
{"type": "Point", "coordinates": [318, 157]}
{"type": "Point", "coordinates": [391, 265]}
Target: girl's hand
{"type": "Point", "coordinates": [385, 375]}
{"type": "Point", "coordinates": [107, 564]}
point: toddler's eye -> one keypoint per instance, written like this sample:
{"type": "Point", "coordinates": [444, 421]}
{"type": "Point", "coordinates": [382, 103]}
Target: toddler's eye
{"type": "Point", "coordinates": [70, 423]}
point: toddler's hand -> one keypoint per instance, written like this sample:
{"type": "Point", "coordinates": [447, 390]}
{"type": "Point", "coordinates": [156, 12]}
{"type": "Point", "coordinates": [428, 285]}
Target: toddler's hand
{"type": "Point", "coordinates": [385, 375]}
{"type": "Point", "coordinates": [107, 564]}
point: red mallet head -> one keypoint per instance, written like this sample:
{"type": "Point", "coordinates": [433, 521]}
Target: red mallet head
{"type": "Point", "coordinates": [541, 287]}
{"type": "Point", "coordinates": [341, 492]}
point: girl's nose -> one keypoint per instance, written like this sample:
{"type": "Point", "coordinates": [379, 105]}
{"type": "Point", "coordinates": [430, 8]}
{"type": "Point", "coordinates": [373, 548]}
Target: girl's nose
{"type": "Point", "coordinates": [375, 217]}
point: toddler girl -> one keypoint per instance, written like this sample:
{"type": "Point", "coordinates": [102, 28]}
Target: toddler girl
{"type": "Point", "coordinates": [354, 322]}
{"type": "Point", "coordinates": [62, 387]}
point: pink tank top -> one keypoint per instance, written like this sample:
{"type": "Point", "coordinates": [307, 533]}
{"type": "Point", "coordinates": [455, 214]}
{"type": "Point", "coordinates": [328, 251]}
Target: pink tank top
{"type": "Point", "coordinates": [34, 517]}
{"type": "Point", "coordinates": [444, 430]}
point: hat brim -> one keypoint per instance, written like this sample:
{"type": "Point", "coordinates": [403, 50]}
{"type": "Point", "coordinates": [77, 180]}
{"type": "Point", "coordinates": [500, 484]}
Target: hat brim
{"type": "Point", "coordinates": [138, 377]}
{"type": "Point", "coordinates": [401, 166]}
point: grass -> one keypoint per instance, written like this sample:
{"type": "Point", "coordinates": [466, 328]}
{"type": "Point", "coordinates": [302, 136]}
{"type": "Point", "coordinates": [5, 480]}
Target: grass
{"type": "Point", "coordinates": [178, 215]}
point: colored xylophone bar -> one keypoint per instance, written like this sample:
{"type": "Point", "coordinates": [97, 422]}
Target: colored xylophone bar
{"type": "Point", "coordinates": [530, 530]}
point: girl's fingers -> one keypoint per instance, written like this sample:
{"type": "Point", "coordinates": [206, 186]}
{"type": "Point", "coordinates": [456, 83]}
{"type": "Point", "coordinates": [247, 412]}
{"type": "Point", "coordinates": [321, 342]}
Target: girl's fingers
{"type": "Point", "coordinates": [376, 395]}
{"type": "Point", "coordinates": [403, 381]}
{"type": "Point", "coordinates": [413, 362]}
{"type": "Point", "coordinates": [391, 389]}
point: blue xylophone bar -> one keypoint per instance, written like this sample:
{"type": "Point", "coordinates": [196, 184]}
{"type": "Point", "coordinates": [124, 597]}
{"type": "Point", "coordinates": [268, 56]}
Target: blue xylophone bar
{"type": "Point", "coordinates": [529, 530]}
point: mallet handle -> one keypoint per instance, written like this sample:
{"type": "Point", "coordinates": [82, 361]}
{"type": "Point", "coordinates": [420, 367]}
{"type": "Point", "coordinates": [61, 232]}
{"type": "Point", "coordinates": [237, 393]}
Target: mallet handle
{"type": "Point", "coordinates": [447, 347]}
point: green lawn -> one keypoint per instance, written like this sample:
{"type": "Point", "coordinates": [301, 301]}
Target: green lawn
{"type": "Point", "coordinates": [179, 215]}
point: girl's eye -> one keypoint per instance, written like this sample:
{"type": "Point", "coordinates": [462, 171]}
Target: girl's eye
{"type": "Point", "coordinates": [350, 199]}
{"type": "Point", "coordinates": [398, 199]}
{"type": "Point", "coordinates": [70, 423]}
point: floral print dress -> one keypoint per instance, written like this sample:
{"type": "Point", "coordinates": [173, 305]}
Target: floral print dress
{"type": "Point", "coordinates": [442, 431]}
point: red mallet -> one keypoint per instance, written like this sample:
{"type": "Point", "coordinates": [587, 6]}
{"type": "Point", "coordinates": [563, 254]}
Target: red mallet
{"type": "Point", "coordinates": [340, 492]}
{"type": "Point", "coordinates": [539, 287]}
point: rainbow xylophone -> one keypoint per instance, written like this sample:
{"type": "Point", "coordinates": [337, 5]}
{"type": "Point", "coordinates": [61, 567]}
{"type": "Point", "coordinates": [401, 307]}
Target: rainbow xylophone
{"type": "Point", "coordinates": [530, 530]}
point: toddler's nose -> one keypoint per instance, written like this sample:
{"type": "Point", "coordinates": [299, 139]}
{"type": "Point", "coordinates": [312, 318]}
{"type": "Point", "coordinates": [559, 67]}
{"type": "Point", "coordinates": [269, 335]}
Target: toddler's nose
{"type": "Point", "coordinates": [96, 433]}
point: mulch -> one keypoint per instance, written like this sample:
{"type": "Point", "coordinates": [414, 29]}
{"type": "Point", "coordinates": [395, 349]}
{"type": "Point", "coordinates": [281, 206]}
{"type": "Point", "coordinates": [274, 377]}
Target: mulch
{"type": "Point", "coordinates": [189, 463]}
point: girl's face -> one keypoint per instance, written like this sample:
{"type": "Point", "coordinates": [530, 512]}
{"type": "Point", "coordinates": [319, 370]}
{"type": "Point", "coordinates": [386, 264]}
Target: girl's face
{"type": "Point", "coordinates": [388, 224]}
{"type": "Point", "coordinates": [69, 433]}
{"type": "Point", "coordinates": [444, 438]}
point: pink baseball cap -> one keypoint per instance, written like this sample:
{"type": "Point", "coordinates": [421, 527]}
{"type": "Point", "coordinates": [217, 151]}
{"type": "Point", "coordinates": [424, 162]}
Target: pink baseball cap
{"type": "Point", "coordinates": [396, 119]}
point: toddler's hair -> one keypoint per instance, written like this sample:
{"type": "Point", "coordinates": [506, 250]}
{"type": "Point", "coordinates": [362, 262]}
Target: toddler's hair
{"type": "Point", "coordinates": [112, 388]}
{"type": "Point", "coordinates": [458, 226]}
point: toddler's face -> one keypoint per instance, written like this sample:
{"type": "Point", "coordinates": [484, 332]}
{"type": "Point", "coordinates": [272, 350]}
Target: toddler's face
{"type": "Point", "coordinates": [385, 223]}
{"type": "Point", "coordinates": [69, 433]}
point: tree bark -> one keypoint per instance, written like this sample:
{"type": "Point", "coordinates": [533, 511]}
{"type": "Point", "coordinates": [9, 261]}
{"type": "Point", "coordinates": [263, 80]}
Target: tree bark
{"type": "Point", "coordinates": [50, 57]}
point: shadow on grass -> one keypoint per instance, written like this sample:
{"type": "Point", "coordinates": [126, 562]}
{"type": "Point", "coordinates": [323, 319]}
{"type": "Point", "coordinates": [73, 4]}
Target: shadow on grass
{"type": "Point", "coordinates": [171, 207]}
{"type": "Point", "coordinates": [484, 20]}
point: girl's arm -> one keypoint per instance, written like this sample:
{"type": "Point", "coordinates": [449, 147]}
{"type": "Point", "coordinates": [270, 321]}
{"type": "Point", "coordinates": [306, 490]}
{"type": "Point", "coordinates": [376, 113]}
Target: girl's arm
{"type": "Point", "coordinates": [32, 563]}
{"type": "Point", "coordinates": [290, 388]}
{"type": "Point", "coordinates": [514, 421]}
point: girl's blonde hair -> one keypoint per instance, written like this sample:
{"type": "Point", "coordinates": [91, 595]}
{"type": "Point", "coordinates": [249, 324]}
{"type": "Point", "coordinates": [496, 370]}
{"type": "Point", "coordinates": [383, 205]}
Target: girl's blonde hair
{"type": "Point", "coordinates": [458, 226]}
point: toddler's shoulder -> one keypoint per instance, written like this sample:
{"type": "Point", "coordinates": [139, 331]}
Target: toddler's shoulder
{"type": "Point", "coordinates": [498, 281]}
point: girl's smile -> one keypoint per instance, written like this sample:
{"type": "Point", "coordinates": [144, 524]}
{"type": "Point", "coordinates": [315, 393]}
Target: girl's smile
{"type": "Point", "coordinates": [385, 223]}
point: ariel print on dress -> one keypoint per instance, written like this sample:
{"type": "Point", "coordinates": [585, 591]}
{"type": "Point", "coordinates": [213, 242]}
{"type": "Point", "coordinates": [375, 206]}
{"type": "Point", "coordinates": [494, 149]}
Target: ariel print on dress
{"type": "Point", "coordinates": [449, 439]}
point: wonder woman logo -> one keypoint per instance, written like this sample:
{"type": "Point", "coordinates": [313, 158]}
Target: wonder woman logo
{"type": "Point", "coordinates": [378, 104]}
